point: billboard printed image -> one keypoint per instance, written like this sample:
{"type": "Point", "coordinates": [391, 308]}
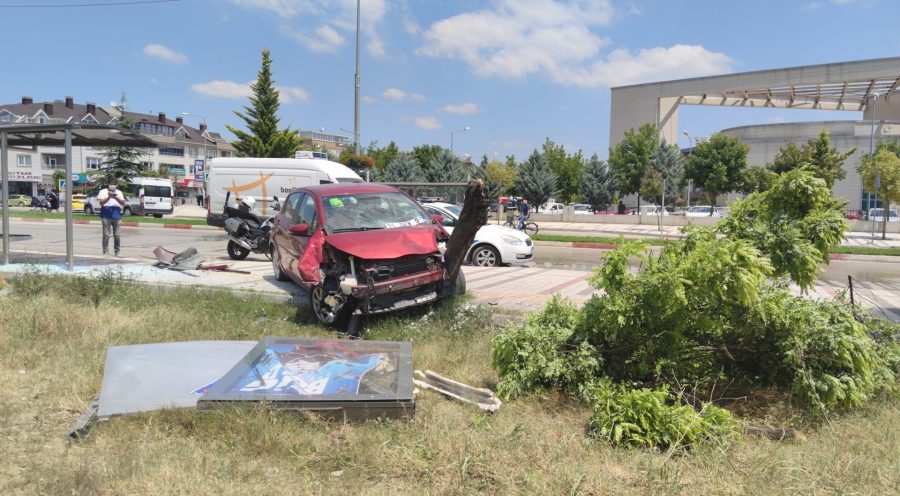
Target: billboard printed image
{"type": "Point", "coordinates": [325, 368]}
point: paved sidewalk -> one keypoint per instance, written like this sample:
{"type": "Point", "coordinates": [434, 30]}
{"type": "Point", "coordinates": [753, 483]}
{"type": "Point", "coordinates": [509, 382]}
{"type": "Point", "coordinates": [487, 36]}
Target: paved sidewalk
{"type": "Point", "coordinates": [651, 230]}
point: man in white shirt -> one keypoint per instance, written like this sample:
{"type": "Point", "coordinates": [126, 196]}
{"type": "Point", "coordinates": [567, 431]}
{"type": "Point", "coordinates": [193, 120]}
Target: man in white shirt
{"type": "Point", "coordinates": [112, 202]}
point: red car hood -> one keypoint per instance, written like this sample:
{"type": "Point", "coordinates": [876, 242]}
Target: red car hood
{"type": "Point", "coordinates": [386, 243]}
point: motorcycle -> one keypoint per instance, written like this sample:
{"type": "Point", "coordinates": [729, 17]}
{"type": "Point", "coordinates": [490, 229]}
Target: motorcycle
{"type": "Point", "coordinates": [248, 232]}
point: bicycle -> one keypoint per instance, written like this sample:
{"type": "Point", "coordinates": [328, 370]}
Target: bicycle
{"type": "Point", "coordinates": [530, 228]}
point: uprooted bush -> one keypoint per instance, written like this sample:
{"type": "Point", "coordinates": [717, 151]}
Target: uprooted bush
{"type": "Point", "coordinates": [703, 312]}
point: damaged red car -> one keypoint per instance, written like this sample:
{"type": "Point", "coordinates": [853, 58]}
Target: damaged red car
{"type": "Point", "coordinates": [360, 249]}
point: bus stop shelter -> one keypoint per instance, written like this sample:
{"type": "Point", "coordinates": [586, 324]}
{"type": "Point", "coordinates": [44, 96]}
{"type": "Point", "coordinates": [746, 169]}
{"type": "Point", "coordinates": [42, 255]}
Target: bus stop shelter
{"type": "Point", "coordinates": [65, 135]}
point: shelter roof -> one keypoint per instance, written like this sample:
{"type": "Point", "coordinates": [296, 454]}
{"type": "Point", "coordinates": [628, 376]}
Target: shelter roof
{"type": "Point", "coordinates": [82, 135]}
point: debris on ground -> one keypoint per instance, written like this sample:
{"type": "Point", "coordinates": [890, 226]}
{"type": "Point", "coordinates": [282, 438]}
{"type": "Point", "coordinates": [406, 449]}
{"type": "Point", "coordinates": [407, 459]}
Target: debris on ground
{"type": "Point", "coordinates": [186, 260]}
{"type": "Point", "coordinates": [480, 397]}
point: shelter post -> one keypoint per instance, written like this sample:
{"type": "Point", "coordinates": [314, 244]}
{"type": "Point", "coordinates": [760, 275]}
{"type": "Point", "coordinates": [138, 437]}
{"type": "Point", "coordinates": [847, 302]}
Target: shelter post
{"type": "Point", "coordinates": [70, 262]}
{"type": "Point", "coordinates": [4, 172]}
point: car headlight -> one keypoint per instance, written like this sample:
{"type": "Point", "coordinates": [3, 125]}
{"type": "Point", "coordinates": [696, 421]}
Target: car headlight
{"type": "Point", "coordinates": [511, 240]}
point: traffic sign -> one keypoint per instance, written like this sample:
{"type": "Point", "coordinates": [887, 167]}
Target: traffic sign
{"type": "Point", "coordinates": [62, 184]}
{"type": "Point", "coordinates": [199, 166]}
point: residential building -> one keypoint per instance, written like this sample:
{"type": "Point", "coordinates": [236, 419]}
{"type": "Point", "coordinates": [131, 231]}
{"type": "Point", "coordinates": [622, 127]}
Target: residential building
{"type": "Point", "coordinates": [317, 140]}
{"type": "Point", "coordinates": [183, 151]}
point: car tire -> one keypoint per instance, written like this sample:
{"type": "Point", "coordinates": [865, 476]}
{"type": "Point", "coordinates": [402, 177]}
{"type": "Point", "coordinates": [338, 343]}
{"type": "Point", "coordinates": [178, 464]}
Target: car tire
{"type": "Point", "coordinates": [276, 265]}
{"type": "Point", "coordinates": [342, 319]}
{"type": "Point", "coordinates": [88, 209]}
{"type": "Point", "coordinates": [486, 256]}
{"type": "Point", "coordinates": [459, 285]}
{"type": "Point", "coordinates": [21, 204]}
{"type": "Point", "coordinates": [126, 211]}
{"type": "Point", "coordinates": [236, 251]}
{"type": "Point", "coordinates": [157, 216]}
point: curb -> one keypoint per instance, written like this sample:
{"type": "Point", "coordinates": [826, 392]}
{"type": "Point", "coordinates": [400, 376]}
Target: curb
{"type": "Point", "coordinates": [838, 257]}
{"type": "Point", "coordinates": [125, 223]}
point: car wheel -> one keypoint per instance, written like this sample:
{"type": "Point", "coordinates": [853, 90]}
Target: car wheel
{"type": "Point", "coordinates": [236, 251]}
{"type": "Point", "coordinates": [21, 204]}
{"type": "Point", "coordinates": [127, 212]}
{"type": "Point", "coordinates": [459, 285]}
{"type": "Point", "coordinates": [157, 216]}
{"type": "Point", "coordinates": [276, 265]}
{"type": "Point", "coordinates": [485, 256]}
{"type": "Point", "coordinates": [88, 209]}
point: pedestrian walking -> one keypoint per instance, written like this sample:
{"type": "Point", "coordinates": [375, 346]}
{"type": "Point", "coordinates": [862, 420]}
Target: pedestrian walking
{"type": "Point", "coordinates": [112, 202]}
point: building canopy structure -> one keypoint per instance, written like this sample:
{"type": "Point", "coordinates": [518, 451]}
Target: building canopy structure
{"type": "Point", "coordinates": [67, 135]}
{"type": "Point", "coordinates": [843, 86]}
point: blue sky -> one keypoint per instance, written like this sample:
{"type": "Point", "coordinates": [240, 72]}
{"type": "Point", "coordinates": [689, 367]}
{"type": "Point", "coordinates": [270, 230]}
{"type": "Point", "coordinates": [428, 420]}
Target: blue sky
{"type": "Point", "coordinates": [516, 71]}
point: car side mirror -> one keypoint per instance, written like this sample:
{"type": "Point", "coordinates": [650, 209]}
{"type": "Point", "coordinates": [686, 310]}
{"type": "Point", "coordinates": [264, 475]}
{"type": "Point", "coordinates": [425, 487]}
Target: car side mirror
{"type": "Point", "coordinates": [299, 229]}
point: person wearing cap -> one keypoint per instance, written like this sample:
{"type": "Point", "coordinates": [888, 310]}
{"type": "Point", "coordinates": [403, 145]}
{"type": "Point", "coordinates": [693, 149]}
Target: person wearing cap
{"type": "Point", "coordinates": [112, 202]}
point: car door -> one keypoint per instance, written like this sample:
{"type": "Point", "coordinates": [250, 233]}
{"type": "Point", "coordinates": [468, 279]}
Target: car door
{"type": "Point", "coordinates": [448, 221]}
{"type": "Point", "coordinates": [305, 214]}
{"type": "Point", "coordinates": [281, 235]}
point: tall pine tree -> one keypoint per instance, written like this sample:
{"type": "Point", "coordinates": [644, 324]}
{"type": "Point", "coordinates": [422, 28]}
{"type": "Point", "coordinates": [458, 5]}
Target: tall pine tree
{"type": "Point", "coordinates": [536, 181]}
{"type": "Point", "coordinates": [121, 162]}
{"type": "Point", "coordinates": [445, 167]}
{"type": "Point", "coordinates": [264, 139]}
{"type": "Point", "coordinates": [402, 169]}
{"type": "Point", "coordinates": [596, 184]}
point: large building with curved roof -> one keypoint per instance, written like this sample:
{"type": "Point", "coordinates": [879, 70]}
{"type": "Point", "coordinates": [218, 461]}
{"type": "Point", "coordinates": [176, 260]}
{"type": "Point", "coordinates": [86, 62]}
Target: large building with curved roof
{"type": "Point", "coordinates": [868, 87]}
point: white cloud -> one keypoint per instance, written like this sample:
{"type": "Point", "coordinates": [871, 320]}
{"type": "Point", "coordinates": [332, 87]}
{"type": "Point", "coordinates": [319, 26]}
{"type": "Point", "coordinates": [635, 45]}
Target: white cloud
{"type": "Point", "coordinates": [222, 89]}
{"type": "Point", "coordinates": [292, 94]}
{"type": "Point", "coordinates": [394, 94]}
{"type": "Point", "coordinates": [463, 108]}
{"type": "Point", "coordinates": [154, 81]}
{"type": "Point", "coordinates": [429, 123]}
{"type": "Point", "coordinates": [368, 99]}
{"type": "Point", "coordinates": [410, 25]}
{"type": "Point", "coordinates": [233, 90]}
{"type": "Point", "coordinates": [324, 39]}
{"type": "Point", "coordinates": [558, 40]}
{"type": "Point", "coordinates": [335, 14]}
{"type": "Point", "coordinates": [418, 97]}
{"type": "Point", "coordinates": [163, 52]}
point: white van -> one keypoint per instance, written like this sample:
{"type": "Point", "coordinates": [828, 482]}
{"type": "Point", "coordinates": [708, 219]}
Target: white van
{"type": "Point", "coordinates": [266, 178]}
{"type": "Point", "coordinates": [143, 196]}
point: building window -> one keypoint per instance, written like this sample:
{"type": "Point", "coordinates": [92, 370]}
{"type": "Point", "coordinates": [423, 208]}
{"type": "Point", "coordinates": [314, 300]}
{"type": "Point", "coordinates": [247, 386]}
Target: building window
{"type": "Point", "coordinates": [210, 154]}
{"type": "Point", "coordinates": [51, 162]}
{"type": "Point", "coordinates": [147, 165]}
{"type": "Point", "coordinates": [93, 163]}
{"type": "Point", "coordinates": [150, 128]}
{"type": "Point", "coordinates": [226, 154]}
{"type": "Point", "coordinates": [171, 151]}
{"type": "Point", "coordinates": [7, 117]}
{"type": "Point", "coordinates": [42, 120]}
{"type": "Point", "coordinates": [88, 119]}
{"type": "Point", "coordinates": [24, 160]}
{"type": "Point", "coordinates": [192, 151]}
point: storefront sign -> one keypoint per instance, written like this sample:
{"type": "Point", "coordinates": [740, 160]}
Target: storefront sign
{"type": "Point", "coordinates": [26, 176]}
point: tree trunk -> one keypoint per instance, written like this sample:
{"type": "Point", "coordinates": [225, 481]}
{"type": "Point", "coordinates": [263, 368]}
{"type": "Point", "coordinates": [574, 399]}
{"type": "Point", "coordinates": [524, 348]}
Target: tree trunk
{"type": "Point", "coordinates": [885, 212]}
{"type": "Point", "coordinates": [474, 215]}
{"type": "Point", "coordinates": [640, 220]}
{"type": "Point", "coordinates": [712, 201]}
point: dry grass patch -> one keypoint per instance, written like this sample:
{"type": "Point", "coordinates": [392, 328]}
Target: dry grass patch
{"type": "Point", "coordinates": [52, 350]}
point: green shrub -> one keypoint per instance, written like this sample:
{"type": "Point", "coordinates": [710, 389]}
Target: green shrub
{"type": "Point", "coordinates": [654, 418]}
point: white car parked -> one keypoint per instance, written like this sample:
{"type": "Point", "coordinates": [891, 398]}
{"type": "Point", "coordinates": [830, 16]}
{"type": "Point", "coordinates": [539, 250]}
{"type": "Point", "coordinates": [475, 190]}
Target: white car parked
{"type": "Point", "coordinates": [877, 215]}
{"type": "Point", "coordinates": [582, 209]}
{"type": "Point", "coordinates": [703, 211]}
{"type": "Point", "coordinates": [493, 244]}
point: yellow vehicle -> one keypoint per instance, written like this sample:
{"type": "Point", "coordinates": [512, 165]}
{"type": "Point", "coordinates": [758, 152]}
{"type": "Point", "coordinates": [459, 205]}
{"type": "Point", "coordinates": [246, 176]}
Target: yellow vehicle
{"type": "Point", "coordinates": [78, 203]}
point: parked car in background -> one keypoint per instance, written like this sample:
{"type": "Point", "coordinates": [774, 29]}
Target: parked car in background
{"type": "Point", "coordinates": [703, 211]}
{"type": "Point", "coordinates": [551, 208]}
{"type": "Point", "coordinates": [19, 200]}
{"type": "Point", "coordinates": [853, 215]}
{"type": "Point", "coordinates": [360, 249]}
{"type": "Point", "coordinates": [493, 245]}
{"type": "Point", "coordinates": [143, 196]}
{"type": "Point", "coordinates": [78, 202]}
{"type": "Point", "coordinates": [583, 209]}
{"type": "Point", "coordinates": [877, 214]}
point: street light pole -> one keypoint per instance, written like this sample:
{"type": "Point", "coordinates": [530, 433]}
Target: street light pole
{"type": "Point", "coordinates": [356, 105]}
{"type": "Point", "coordinates": [688, 195]}
{"type": "Point", "coordinates": [205, 150]}
{"type": "Point", "coordinates": [454, 132]}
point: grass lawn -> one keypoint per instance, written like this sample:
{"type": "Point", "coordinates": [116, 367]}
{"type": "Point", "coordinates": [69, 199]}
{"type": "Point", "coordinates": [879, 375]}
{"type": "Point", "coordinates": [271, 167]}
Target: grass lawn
{"type": "Point", "coordinates": [132, 218]}
{"type": "Point", "coordinates": [52, 351]}
{"type": "Point", "coordinates": [849, 250]}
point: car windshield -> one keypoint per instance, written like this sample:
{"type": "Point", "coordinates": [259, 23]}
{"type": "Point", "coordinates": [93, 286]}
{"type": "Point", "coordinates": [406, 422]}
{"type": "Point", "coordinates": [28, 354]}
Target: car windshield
{"type": "Point", "coordinates": [454, 210]}
{"type": "Point", "coordinates": [365, 211]}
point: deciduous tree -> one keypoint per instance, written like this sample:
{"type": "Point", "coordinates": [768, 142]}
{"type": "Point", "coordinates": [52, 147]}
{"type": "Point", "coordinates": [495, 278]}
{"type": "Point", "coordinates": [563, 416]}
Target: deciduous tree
{"type": "Point", "coordinates": [886, 165]}
{"type": "Point", "coordinates": [716, 165]}
{"type": "Point", "coordinates": [629, 159]}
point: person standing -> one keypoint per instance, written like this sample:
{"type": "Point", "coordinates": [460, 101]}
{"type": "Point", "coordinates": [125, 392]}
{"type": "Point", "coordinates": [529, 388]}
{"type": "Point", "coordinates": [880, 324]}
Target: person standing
{"type": "Point", "coordinates": [112, 202]}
